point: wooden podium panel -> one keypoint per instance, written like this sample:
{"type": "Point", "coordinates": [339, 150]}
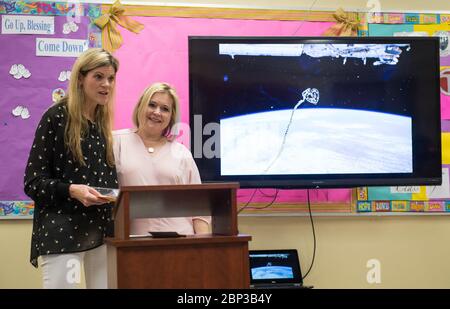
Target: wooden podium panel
{"type": "Point", "coordinates": [218, 260]}
{"type": "Point", "coordinates": [217, 200]}
{"type": "Point", "coordinates": [193, 262]}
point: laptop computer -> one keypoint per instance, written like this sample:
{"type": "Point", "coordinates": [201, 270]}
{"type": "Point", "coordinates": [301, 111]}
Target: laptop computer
{"type": "Point", "coordinates": [275, 269]}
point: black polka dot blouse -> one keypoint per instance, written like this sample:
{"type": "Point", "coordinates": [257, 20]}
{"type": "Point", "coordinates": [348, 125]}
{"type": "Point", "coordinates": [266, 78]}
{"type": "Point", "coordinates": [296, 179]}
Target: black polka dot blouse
{"type": "Point", "coordinates": [62, 224]}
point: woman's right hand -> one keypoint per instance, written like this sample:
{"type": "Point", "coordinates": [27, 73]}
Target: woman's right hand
{"type": "Point", "coordinates": [86, 195]}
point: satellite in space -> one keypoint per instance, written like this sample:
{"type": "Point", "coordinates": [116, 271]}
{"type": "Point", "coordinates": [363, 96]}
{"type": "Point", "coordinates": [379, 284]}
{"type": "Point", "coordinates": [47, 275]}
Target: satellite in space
{"type": "Point", "coordinates": [383, 53]}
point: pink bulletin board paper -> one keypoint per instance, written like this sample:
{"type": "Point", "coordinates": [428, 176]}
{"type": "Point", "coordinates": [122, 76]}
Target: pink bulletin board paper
{"type": "Point", "coordinates": [160, 53]}
{"type": "Point", "coordinates": [295, 196]}
{"type": "Point", "coordinates": [445, 106]}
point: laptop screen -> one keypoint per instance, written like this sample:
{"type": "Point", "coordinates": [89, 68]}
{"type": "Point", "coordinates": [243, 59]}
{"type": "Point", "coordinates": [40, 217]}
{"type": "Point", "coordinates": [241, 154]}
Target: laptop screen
{"type": "Point", "coordinates": [274, 266]}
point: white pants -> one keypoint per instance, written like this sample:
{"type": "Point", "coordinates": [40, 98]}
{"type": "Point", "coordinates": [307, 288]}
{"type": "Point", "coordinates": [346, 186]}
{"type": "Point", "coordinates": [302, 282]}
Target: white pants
{"type": "Point", "coordinates": [63, 271]}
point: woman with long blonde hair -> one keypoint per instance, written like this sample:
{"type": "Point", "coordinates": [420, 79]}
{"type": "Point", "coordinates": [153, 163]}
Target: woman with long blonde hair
{"type": "Point", "coordinates": [71, 155]}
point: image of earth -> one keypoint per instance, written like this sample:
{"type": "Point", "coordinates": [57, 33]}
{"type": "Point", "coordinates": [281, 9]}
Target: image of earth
{"type": "Point", "coordinates": [272, 272]}
{"type": "Point", "coordinates": [319, 141]}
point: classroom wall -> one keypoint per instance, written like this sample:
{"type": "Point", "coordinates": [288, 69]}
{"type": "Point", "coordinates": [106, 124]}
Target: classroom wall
{"type": "Point", "coordinates": [412, 250]}
{"type": "Point", "coordinates": [15, 270]}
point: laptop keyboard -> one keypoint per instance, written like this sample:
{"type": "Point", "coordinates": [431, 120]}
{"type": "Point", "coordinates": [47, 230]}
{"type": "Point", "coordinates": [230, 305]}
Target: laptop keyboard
{"type": "Point", "coordinates": [279, 286]}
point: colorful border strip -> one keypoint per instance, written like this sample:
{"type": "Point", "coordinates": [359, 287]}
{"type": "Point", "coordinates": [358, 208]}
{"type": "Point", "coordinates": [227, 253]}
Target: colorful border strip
{"type": "Point", "coordinates": [399, 18]}
{"type": "Point", "coordinates": [403, 18]}
{"type": "Point", "coordinates": [92, 11]}
{"type": "Point", "coordinates": [403, 206]}
{"type": "Point", "coordinates": [16, 209]}
{"type": "Point", "coordinates": [37, 8]}
{"type": "Point", "coordinates": [49, 8]}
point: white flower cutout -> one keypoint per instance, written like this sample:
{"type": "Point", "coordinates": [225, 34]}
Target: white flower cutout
{"type": "Point", "coordinates": [25, 114]}
{"type": "Point", "coordinates": [16, 112]}
{"type": "Point", "coordinates": [64, 75]}
{"type": "Point", "coordinates": [70, 27]}
{"type": "Point", "coordinates": [13, 70]}
{"type": "Point", "coordinates": [66, 28]}
{"type": "Point", "coordinates": [18, 71]}
{"type": "Point", "coordinates": [58, 94]}
{"type": "Point", "coordinates": [21, 111]}
{"type": "Point", "coordinates": [73, 27]}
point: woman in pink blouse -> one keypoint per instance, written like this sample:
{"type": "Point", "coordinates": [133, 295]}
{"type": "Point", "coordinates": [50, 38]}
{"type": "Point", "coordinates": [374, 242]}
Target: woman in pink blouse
{"type": "Point", "coordinates": [146, 156]}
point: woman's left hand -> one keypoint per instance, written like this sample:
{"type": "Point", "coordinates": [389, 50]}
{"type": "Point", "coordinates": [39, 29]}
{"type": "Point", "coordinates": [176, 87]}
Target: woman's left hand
{"type": "Point", "coordinates": [86, 195]}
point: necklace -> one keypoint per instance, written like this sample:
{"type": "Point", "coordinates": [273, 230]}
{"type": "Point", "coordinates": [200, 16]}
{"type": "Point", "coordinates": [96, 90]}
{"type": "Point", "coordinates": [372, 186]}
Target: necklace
{"type": "Point", "coordinates": [155, 143]}
{"type": "Point", "coordinates": [152, 149]}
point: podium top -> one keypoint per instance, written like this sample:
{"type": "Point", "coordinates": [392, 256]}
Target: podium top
{"type": "Point", "coordinates": [204, 186]}
{"type": "Point", "coordinates": [191, 240]}
{"type": "Point", "coordinates": [217, 200]}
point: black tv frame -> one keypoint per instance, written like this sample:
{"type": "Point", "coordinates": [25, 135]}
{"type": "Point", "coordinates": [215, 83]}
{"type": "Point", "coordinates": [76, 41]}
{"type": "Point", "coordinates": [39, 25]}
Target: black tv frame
{"type": "Point", "coordinates": [430, 144]}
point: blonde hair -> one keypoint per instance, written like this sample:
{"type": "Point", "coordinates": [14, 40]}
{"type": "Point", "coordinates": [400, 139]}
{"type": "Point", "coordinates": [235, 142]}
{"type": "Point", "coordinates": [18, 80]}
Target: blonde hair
{"type": "Point", "coordinates": [77, 125]}
{"type": "Point", "coordinates": [147, 96]}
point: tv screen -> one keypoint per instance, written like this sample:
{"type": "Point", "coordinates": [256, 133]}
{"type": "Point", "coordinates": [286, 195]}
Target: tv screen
{"type": "Point", "coordinates": [297, 112]}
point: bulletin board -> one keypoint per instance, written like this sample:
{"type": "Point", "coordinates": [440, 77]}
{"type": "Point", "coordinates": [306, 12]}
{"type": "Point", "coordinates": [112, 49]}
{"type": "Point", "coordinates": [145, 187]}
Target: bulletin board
{"type": "Point", "coordinates": [414, 198]}
{"type": "Point", "coordinates": [159, 53]}
{"type": "Point", "coordinates": [30, 89]}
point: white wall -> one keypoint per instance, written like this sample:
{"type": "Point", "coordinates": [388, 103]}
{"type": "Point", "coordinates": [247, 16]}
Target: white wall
{"type": "Point", "coordinates": [413, 251]}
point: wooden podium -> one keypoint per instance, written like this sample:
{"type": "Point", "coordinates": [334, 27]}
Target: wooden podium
{"type": "Point", "coordinates": [217, 260]}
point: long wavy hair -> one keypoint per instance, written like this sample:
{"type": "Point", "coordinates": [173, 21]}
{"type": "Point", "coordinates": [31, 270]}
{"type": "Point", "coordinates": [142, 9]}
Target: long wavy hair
{"type": "Point", "coordinates": [145, 99]}
{"type": "Point", "coordinates": [77, 125]}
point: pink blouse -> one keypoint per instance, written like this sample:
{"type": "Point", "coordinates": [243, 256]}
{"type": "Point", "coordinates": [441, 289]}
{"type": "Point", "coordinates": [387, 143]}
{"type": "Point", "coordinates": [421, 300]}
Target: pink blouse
{"type": "Point", "coordinates": [170, 164]}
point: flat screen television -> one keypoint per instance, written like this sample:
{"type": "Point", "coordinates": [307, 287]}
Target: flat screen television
{"type": "Point", "coordinates": [316, 112]}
